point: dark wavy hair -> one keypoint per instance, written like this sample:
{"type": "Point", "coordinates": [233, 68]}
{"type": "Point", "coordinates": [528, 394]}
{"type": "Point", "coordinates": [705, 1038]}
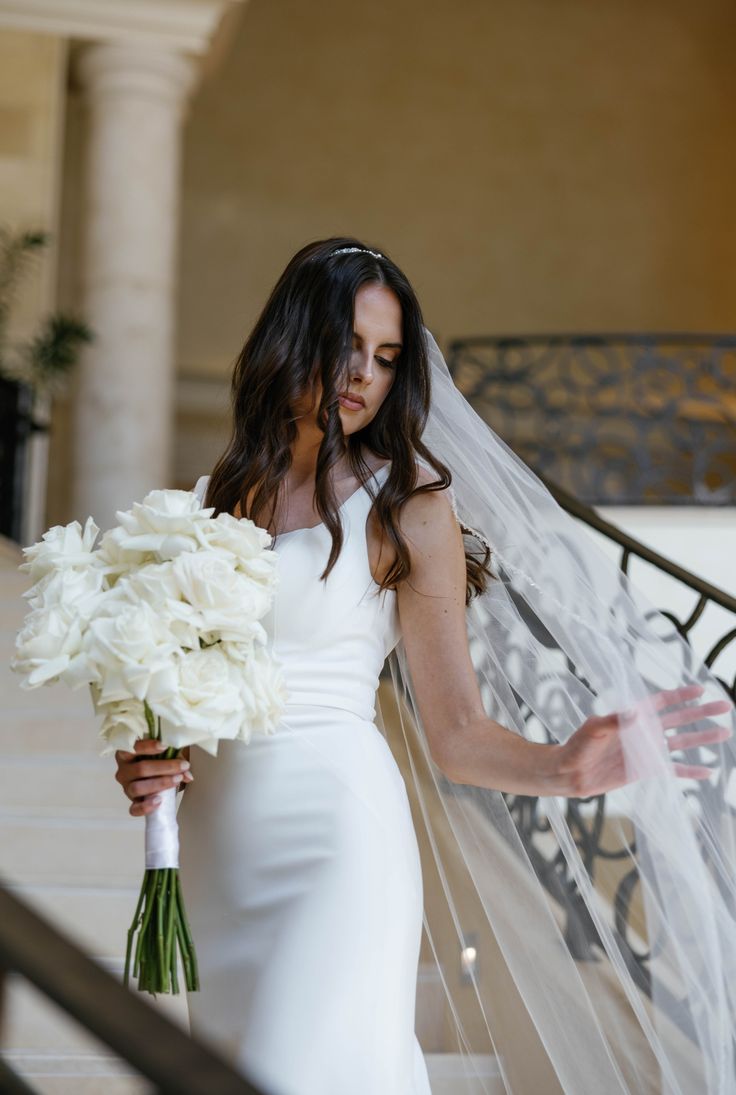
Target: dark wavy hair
{"type": "Point", "coordinates": [303, 336]}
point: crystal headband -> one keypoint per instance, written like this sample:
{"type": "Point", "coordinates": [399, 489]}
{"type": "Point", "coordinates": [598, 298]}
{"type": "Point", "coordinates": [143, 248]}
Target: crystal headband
{"type": "Point", "coordinates": [347, 250]}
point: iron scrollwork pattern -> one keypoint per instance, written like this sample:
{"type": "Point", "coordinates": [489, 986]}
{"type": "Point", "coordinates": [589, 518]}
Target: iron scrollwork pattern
{"type": "Point", "coordinates": [615, 419]}
{"type": "Point", "coordinates": [590, 821]}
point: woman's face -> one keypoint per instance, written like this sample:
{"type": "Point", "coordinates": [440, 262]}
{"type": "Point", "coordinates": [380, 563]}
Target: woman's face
{"type": "Point", "coordinates": [377, 334]}
{"type": "Point", "coordinates": [376, 345]}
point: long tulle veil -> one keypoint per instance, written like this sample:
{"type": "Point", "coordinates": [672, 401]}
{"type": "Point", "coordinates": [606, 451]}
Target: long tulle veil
{"type": "Point", "coordinates": [553, 971]}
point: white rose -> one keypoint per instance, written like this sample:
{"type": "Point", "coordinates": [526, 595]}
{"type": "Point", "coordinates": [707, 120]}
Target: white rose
{"type": "Point", "coordinates": [123, 723]}
{"type": "Point", "coordinates": [164, 524]}
{"type": "Point", "coordinates": [265, 693]}
{"type": "Point", "coordinates": [77, 590]}
{"type": "Point", "coordinates": [207, 704]}
{"type": "Point", "coordinates": [247, 542]}
{"type": "Point", "coordinates": [49, 648]}
{"type": "Point", "coordinates": [115, 561]}
{"type": "Point", "coordinates": [156, 584]}
{"type": "Point", "coordinates": [133, 649]}
{"type": "Point", "coordinates": [218, 600]}
{"type": "Point", "coordinates": [61, 546]}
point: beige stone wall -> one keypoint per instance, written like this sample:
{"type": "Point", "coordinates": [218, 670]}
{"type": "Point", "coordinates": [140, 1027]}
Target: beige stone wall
{"type": "Point", "coordinates": [32, 101]}
{"type": "Point", "coordinates": [31, 117]}
{"type": "Point", "coordinates": [533, 166]}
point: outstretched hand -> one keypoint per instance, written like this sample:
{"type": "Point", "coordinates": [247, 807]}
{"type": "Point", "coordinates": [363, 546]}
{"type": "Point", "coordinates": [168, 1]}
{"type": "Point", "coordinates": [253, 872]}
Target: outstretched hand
{"type": "Point", "coordinates": [596, 756]}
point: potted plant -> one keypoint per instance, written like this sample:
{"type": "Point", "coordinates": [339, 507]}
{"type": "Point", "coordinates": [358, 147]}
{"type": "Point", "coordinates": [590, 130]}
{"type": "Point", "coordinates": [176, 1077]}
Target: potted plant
{"type": "Point", "coordinates": [31, 373]}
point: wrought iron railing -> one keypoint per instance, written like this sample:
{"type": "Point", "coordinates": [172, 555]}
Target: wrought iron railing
{"type": "Point", "coordinates": [587, 818]}
{"type": "Point", "coordinates": [588, 825]}
{"type": "Point", "coordinates": [138, 1033]}
{"type": "Point", "coordinates": [634, 419]}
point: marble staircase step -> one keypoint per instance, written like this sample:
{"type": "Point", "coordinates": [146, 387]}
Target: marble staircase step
{"type": "Point", "coordinates": [59, 1073]}
{"type": "Point", "coordinates": [58, 785]}
{"type": "Point", "coordinates": [40, 851]}
{"type": "Point", "coordinates": [95, 918]}
{"type": "Point", "coordinates": [55, 1054]}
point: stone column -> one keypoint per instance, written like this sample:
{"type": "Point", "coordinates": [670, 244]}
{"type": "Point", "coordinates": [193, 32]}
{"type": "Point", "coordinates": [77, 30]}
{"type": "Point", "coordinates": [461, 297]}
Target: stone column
{"type": "Point", "coordinates": [135, 97]}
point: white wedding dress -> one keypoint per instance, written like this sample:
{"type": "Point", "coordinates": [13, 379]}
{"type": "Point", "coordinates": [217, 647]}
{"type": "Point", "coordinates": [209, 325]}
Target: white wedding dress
{"type": "Point", "coordinates": [299, 861]}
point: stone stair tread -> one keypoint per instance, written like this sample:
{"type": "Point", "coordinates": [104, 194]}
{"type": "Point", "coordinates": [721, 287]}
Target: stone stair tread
{"type": "Point", "coordinates": [36, 1027]}
{"type": "Point", "coordinates": [71, 784]}
{"type": "Point", "coordinates": [66, 703]}
{"type": "Point", "coordinates": [59, 1063]}
{"type": "Point", "coordinates": [78, 850]}
{"type": "Point", "coordinates": [97, 919]}
{"type": "Point", "coordinates": [43, 732]}
{"type": "Point", "coordinates": [82, 1083]}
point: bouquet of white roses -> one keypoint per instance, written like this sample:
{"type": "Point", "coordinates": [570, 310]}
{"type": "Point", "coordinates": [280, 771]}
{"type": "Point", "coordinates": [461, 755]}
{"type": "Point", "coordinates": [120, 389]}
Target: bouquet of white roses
{"type": "Point", "coordinates": [162, 621]}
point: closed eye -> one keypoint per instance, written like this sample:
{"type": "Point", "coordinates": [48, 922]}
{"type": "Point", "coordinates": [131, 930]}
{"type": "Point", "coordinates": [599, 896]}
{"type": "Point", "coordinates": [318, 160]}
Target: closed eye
{"type": "Point", "coordinates": [382, 361]}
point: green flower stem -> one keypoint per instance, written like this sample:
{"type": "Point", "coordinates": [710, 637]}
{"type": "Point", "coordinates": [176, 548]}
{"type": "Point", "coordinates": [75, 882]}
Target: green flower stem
{"type": "Point", "coordinates": [131, 931]}
{"type": "Point", "coordinates": [183, 915]}
{"type": "Point", "coordinates": [160, 920]}
{"type": "Point", "coordinates": [150, 883]}
{"type": "Point", "coordinates": [185, 957]}
{"type": "Point", "coordinates": [170, 959]}
{"type": "Point", "coordinates": [193, 984]}
{"type": "Point", "coordinates": [174, 978]}
{"type": "Point", "coordinates": [160, 949]}
{"type": "Point", "coordinates": [163, 925]}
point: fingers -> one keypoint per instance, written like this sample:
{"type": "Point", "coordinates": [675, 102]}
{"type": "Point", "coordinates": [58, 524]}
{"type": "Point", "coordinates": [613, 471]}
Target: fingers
{"type": "Point", "coordinates": [143, 806]}
{"type": "Point", "coordinates": [144, 777]}
{"type": "Point", "coordinates": [142, 771]}
{"type": "Point", "coordinates": [146, 803]}
{"type": "Point", "coordinates": [135, 786]}
{"type": "Point", "coordinates": [144, 768]}
{"type": "Point", "coordinates": [146, 794]}
{"type": "Point", "coordinates": [148, 745]}
{"type": "Point", "coordinates": [668, 696]}
{"type": "Point", "coordinates": [145, 787]}
{"type": "Point", "coordinates": [692, 771]}
{"type": "Point", "coordinates": [141, 746]}
{"type": "Point", "coordinates": [692, 739]}
{"type": "Point", "coordinates": [694, 714]}
{"type": "Point", "coordinates": [672, 719]}
{"type": "Point", "coordinates": [144, 774]}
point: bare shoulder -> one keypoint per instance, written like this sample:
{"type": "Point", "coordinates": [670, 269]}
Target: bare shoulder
{"type": "Point", "coordinates": [427, 517]}
{"type": "Point", "coordinates": [431, 533]}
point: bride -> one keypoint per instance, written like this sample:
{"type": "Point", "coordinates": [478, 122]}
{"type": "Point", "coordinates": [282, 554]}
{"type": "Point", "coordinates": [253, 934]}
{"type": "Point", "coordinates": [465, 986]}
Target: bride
{"type": "Point", "coordinates": [300, 862]}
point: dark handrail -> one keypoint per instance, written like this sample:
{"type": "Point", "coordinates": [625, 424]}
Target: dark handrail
{"type": "Point", "coordinates": [597, 338]}
{"type": "Point", "coordinates": [139, 1033]}
{"type": "Point", "coordinates": [633, 546]}
{"type": "Point", "coordinates": [11, 1083]}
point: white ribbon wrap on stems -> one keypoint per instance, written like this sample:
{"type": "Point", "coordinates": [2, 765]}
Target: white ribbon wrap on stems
{"type": "Point", "coordinates": [162, 833]}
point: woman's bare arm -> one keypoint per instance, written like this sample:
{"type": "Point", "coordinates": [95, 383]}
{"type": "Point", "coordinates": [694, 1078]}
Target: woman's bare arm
{"type": "Point", "coordinates": [467, 745]}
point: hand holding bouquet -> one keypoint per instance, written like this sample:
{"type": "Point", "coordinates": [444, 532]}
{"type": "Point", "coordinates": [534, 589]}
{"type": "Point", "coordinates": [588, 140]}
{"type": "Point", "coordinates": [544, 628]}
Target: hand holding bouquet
{"type": "Point", "coordinates": [162, 622]}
